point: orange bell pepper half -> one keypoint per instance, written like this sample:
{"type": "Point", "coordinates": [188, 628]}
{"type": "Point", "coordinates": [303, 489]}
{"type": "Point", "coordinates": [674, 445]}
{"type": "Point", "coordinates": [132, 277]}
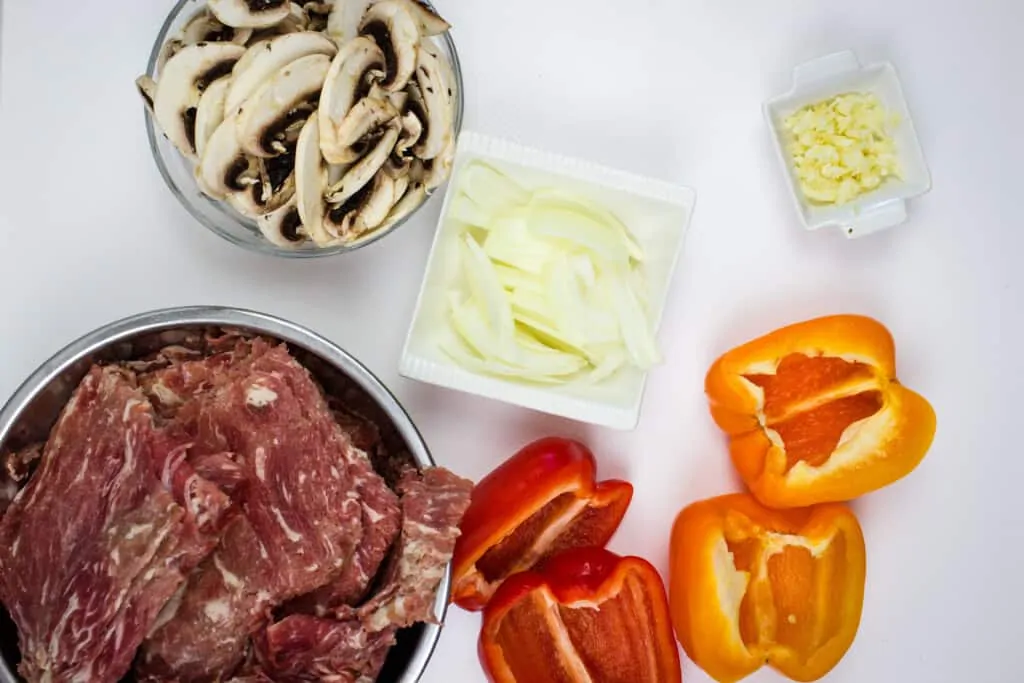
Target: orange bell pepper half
{"type": "Point", "coordinates": [749, 586]}
{"type": "Point", "coordinates": [815, 413]}
{"type": "Point", "coordinates": [542, 500]}
{"type": "Point", "coordinates": [587, 615]}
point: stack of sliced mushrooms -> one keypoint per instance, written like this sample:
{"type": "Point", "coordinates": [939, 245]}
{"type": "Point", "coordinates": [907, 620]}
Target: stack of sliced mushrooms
{"type": "Point", "coordinates": [324, 122]}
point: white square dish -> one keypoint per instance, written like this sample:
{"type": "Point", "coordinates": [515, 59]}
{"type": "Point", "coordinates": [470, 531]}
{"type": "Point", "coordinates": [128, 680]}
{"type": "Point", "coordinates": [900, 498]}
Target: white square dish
{"type": "Point", "coordinates": [658, 215]}
{"type": "Point", "coordinates": [827, 77]}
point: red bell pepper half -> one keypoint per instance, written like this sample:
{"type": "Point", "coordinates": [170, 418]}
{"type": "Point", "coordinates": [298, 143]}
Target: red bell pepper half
{"type": "Point", "coordinates": [586, 615]}
{"type": "Point", "coordinates": [542, 500]}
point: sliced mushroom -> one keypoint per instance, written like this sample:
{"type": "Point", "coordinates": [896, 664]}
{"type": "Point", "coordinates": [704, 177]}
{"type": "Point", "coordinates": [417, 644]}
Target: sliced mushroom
{"type": "Point", "coordinates": [400, 162]}
{"type": "Point", "coordinates": [266, 58]}
{"type": "Point", "coordinates": [433, 103]}
{"type": "Point", "coordinates": [354, 69]}
{"type": "Point", "coordinates": [318, 13]}
{"type": "Point", "coordinates": [412, 130]}
{"type": "Point", "coordinates": [297, 20]}
{"type": "Point", "coordinates": [402, 183]}
{"type": "Point", "coordinates": [363, 211]}
{"type": "Point", "coordinates": [224, 167]}
{"type": "Point", "coordinates": [278, 103]}
{"type": "Point", "coordinates": [437, 170]}
{"type": "Point", "coordinates": [398, 99]}
{"type": "Point", "coordinates": [249, 13]}
{"type": "Point", "coordinates": [204, 27]}
{"type": "Point", "coordinates": [335, 172]}
{"type": "Point", "coordinates": [383, 142]}
{"type": "Point", "coordinates": [430, 22]}
{"type": "Point", "coordinates": [444, 66]}
{"type": "Point", "coordinates": [147, 91]}
{"type": "Point", "coordinates": [310, 180]}
{"type": "Point", "coordinates": [354, 135]}
{"type": "Point", "coordinates": [278, 178]}
{"type": "Point", "coordinates": [283, 226]}
{"type": "Point", "coordinates": [246, 202]}
{"type": "Point", "coordinates": [393, 27]}
{"type": "Point", "coordinates": [343, 21]}
{"type": "Point", "coordinates": [210, 112]}
{"type": "Point", "coordinates": [184, 78]}
{"type": "Point", "coordinates": [270, 190]}
{"type": "Point", "coordinates": [408, 203]}
{"type": "Point", "coordinates": [170, 48]}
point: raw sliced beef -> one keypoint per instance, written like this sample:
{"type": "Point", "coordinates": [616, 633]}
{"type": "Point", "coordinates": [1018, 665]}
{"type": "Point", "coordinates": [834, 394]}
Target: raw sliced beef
{"type": "Point", "coordinates": [15, 468]}
{"type": "Point", "coordinates": [303, 647]}
{"type": "Point", "coordinates": [102, 536]}
{"type": "Point", "coordinates": [353, 645]}
{"type": "Point", "coordinates": [300, 516]}
{"type": "Point", "coordinates": [433, 503]}
{"type": "Point", "coordinates": [381, 520]}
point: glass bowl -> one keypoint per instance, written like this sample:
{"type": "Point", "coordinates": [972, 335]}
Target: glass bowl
{"type": "Point", "coordinates": [216, 215]}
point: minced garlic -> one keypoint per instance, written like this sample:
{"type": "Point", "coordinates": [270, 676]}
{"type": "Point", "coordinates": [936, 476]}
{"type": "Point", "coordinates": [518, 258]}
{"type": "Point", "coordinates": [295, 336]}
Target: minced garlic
{"type": "Point", "coordinates": [841, 148]}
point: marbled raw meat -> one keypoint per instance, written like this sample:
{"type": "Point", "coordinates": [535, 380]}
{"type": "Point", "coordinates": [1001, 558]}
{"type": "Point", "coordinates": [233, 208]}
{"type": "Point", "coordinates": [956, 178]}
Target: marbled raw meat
{"type": "Point", "coordinates": [352, 645]}
{"type": "Point", "coordinates": [103, 535]}
{"type": "Point", "coordinates": [300, 515]}
{"type": "Point", "coordinates": [381, 521]}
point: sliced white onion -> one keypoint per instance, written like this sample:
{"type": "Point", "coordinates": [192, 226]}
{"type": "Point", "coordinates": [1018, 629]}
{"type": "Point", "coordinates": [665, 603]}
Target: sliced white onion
{"type": "Point", "coordinates": [553, 292]}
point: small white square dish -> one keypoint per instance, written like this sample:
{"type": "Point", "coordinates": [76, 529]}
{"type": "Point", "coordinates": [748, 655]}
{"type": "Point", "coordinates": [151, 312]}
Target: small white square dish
{"type": "Point", "coordinates": [827, 77]}
{"type": "Point", "coordinates": [657, 215]}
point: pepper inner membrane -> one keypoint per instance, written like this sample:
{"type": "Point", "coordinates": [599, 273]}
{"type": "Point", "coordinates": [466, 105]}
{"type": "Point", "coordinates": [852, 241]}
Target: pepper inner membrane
{"type": "Point", "coordinates": [538, 641]}
{"type": "Point", "coordinates": [593, 631]}
{"type": "Point", "coordinates": [794, 600]}
{"type": "Point", "coordinates": [812, 435]}
{"type": "Point", "coordinates": [502, 559]}
{"type": "Point", "coordinates": [525, 638]}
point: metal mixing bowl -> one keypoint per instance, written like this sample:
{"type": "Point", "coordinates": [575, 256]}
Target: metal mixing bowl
{"type": "Point", "coordinates": [31, 413]}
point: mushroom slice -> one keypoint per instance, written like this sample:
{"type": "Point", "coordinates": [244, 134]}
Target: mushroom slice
{"type": "Point", "coordinates": [224, 167]}
{"type": "Point", "coordinates": [362, 212]}
{"type": "Point", "coordinates": [408, 203]}
{"type": "Point", "coordinates": [249, 13]}
{"type": "Point", "coordinates": [400, 162]}
{"type": "Point", "coordinates": [278, 102]}
{"type": "Point", "coordinates": [272, 189]}
{"type": "Point", "coordinates": [430, 23]}
{"type": "Point", "coordinates": [283, 227]}
{"type": "Point", "coordinates": [247, 202]}
{"type": "Point", "coordinates": [318, 13]}
{"type": "Point", "coordinates": [412, 130]}
{"type": "Point", "coordinates": [433, 104]}
{"type": "Point", "coordinates": [393, 27]}
{"type": "Point", "coordinates": [204, 27]}
{"type": "Point", "coordinates": [349, 79]}
{"type": "Point", "coordinates": [356, 130]}
{"type": "Point", "coordinates": [437, 170]}
{"type": "Point", "coordinates": [398, 99]}
{"type": "Point", "coordinates": [210, 112]}
{"type": "Point", "coordinates": [266, 58]}
{"type": "Point", "coordinates": [383, 142]}
{"type": "Point", "coordinates": [310, 178]}
{"type": "Point", "coordinates": [170, 48]}
{"type": "Point", "coordinates": [147, 91]}
{"type": "Point", "coordinates": [343, 21]}
{"type": "Point", "coordinates": [181, 84]}
{"type": "Point", "coordinates": [278, 178]}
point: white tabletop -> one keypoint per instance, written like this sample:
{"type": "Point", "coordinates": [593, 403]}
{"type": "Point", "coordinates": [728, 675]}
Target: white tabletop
{"type": "Point", "coordinates": [673, 90]}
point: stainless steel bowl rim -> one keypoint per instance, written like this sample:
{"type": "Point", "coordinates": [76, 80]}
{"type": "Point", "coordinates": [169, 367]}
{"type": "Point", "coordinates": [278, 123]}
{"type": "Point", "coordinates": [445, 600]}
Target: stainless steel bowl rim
{"type": "Point", "coordinates": [260, 323]}
{"type": "Point", "coordinates": [267, 248]}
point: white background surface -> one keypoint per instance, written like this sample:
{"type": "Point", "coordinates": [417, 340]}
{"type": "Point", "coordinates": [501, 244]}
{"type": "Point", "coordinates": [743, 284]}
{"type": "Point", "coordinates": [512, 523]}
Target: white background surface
{"type": "Point", "coordinates": [88, 233]}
